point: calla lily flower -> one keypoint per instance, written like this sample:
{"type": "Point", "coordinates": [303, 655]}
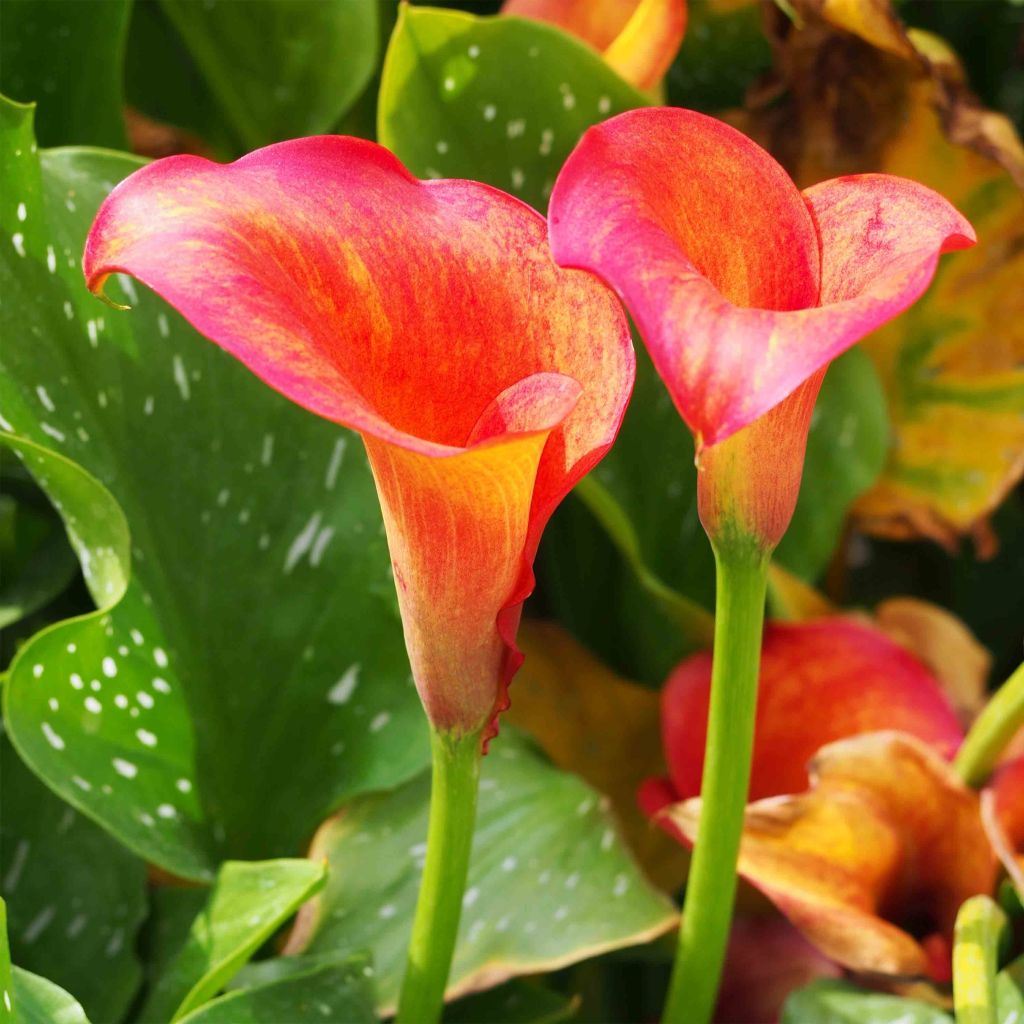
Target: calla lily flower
{"type": "Point", "coordinates": [743, 287]}
{"type": "Point", "coordinates": [754, 986]}
{"type": "Point", "coordinates": [873, 861]}
{"type": "Point", "coordinates": [637, 38]}
{"type": "Point", "coordinates": [426, 315]}
{"type": "Point", "coordinates": [1003, 813]}
{"type": "Point", "coordinates": [854, 677]}
{"type": "Point", "coordinates": [863, 836]}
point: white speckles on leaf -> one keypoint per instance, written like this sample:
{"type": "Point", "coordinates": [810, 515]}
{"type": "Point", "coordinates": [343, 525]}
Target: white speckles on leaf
{"type": "Point", "coordinates": [38, 925]}
{"type": "Point", "coordinates": [92, 705]}
{"type": "Point", "coordinates": [17, 864]}
{"type": "Point", "coordinates": [52, 737]}
{"type": "Point", "coordinates": [302, 543]}
{"type": "Point", "coordinates": [334, 463]}
{"type": "Point", "coordinates": [125, 768]}
{"type": "Point", "coordinates": [342, 690]}
{"type": "Point", "coordinates": [18, 241]}
{"type": "Point", "coordinates": [160, 657]}
{"type": "Point", "coordinates": [181, 378]}
{"type": "Point", "coordinates": [45, 399]}
{"type": "Point", "coordinates": [145, 737]}
{"type": "Point", "coordinates": [379, 721]}
{"type": "Point", "coordinates": [109, 667]}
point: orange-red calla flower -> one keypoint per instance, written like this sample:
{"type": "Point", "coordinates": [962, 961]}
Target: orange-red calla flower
{"type": "Point", "coordinates": [428, 316]}
{"type": "Point", "coordinates": [743, 287]}
{"type": "Point", "coordinates": [873, 861]}
{"type": "Point", "coordinates": [863, 836]}
{"type": "Point", "coordinates": [1003, 813]}
{"type": "Point", "coordinates": [820, 681]}
{"type": "Point", "coordinates": [638, 38]}
{"type": "Point", "coordinates": [755, 986]}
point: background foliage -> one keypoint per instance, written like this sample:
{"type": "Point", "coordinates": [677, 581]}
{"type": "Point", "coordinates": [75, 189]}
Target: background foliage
{"type": "Point", "coordinates": [204, 677]}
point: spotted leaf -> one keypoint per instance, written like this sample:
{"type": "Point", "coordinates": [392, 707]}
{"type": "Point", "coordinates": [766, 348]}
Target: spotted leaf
{"type": "Point", "coordinates": [839, 1002]}
{"type": "Point", "coordinates": [449, 107]}
{"type": "Point", "coordinates": [71, 919]}
{"type": "Point", "coordinates": [259, 602]}
{"type": "Point", "coordinates": [340, 992]}
{"type": "Point", "coordinates": [549, 882]}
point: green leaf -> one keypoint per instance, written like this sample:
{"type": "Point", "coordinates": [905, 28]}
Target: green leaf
{"type": "Point", "coordinates": [73, 917]}
{"type": "Point", "coordinates": [38, 563]}
{"type": "Point", "coordinates": [293, 70]}
{"type": "Point", "coordinates": [449, 108]}
{"type": "Point", "coordinates": [549, 883]}
{"type": "Point", "coordinates": [846, 451]}
{"type": "Point", "coordinates": [247, 904]}
{"type": "Point", "coordinates": [723, 52]}
{"type": "Point", "coordinates": [67, 56]}
{"type": "Point", "coordinates": [838, 1002]}
{"type": "Point", "coordinates": [334, 992]}
{"type": "Point", "coordinates": [38, 1001]}
{"type": "Point", "coordinates": [258, 637]}
{"type": "Point", "coordinates": [516, 1002]}
{"type": "Point", "coordinates": [654, 486]}
{"type": "Point", "coordinates": [6, 982]}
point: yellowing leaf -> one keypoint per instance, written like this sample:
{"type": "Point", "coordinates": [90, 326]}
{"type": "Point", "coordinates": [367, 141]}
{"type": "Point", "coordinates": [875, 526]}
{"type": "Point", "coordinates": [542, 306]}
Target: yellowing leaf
{"type": "Point", "coordinates": [869, 95]}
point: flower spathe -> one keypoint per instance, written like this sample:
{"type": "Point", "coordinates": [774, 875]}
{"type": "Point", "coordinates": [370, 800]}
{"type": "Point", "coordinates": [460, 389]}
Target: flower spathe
{"type": "Point", "coordinates": [1003, 814]}
{"type": "Point", "coordinates": [638, 39]}
{"type": "Point", "coordinates": [873, 861]}
{"type": "Point", "coordinates": [852, 676]}
{"type": "Point", "coordinates": [743, 287]}
{"type": "Point", "coordinates": [857, 828]}
{"type": "Point", "coordinates": [428, 316]}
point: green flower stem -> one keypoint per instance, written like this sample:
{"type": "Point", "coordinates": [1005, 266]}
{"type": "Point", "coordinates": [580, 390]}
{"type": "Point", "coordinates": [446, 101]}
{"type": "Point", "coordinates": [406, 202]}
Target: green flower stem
{"type": "Point", "coordinates": [992, 731]}
{"type": "Point", "coordinates": [454, 784]}
{"type": "Point", "coordinates": [979, 927]}
{"type": "Point", "coordinates": [711, 890]}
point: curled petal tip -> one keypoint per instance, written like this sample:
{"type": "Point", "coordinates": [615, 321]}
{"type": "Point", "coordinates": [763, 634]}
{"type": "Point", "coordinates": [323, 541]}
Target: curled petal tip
{"type": "Point", "coordinates": [97, 285]}
{"type": "Point", "coordinates": [428, 316]}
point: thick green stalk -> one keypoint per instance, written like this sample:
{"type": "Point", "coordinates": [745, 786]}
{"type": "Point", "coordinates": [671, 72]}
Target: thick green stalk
{"type": "Point", "coordinates": [979, 927]}
{"type": "Point", "coordinates": [992, 731]}
{"type": "Point", "coordinates": [711, 890]}
{"type": "Point", "coordinates": [454, 784]}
